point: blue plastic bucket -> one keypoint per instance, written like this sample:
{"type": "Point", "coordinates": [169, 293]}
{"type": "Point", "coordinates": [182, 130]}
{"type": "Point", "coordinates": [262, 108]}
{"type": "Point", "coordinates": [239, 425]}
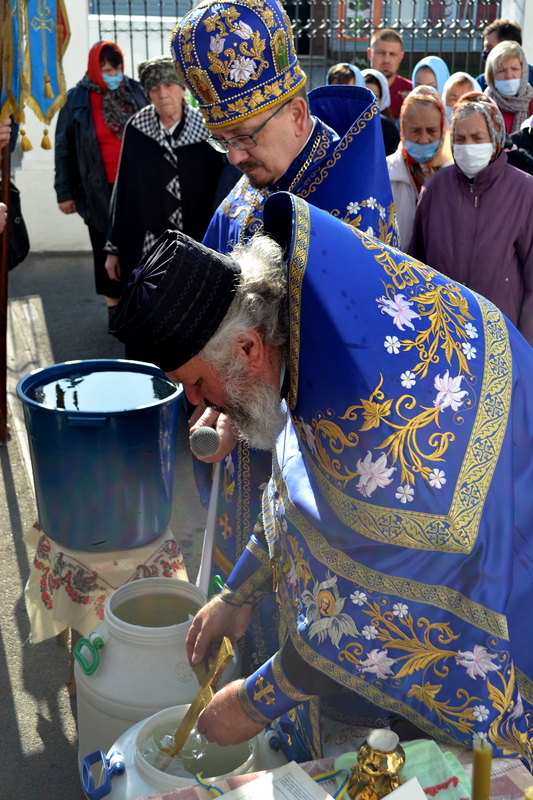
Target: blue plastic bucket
{"type": "Point", "coordinates": [103, 461]}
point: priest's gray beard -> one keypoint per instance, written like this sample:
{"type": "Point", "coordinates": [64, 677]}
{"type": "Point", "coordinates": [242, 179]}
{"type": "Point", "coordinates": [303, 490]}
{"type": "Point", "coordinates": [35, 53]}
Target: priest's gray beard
{"type": "Point", "coordinates": [254, 405]}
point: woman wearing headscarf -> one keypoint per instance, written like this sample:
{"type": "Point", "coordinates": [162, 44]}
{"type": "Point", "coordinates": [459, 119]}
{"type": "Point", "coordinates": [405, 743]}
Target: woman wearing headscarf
{"type": "Point", "coordinates": [377, 83]}
{"type": "Point", "coordinates": [506, 73]}
{"type": "Point", "coordinates": [456, 86]}
{"type": "Point", "coordinates": [420, 154]}
{"type": "Point", "coordinates": [345, 74]}
{"type": "Point", "coordinates": [474, 222]}
{"type": "Point", "coordinates": [88, 138]}
{"type": "Point", "coordinates": [431, 71]}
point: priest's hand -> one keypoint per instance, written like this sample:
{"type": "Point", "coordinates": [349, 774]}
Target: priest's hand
{"type": "Point", "coordinates": [224, 720]}
{"type": "Point", "coordinates": [224, 426]}
{"type": "Point", "coordinates": [112, 265]}
{"type": "Point", "coordinates": [214, 621]}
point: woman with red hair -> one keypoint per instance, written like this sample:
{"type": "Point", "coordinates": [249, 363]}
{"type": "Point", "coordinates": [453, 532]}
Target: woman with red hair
{"type": "Point", "coordinates": [88, 139]}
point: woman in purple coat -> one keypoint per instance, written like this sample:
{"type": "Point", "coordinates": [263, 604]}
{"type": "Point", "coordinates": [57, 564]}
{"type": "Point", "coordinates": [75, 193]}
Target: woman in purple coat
{"type": "Point", "coordinates": [473, 221]}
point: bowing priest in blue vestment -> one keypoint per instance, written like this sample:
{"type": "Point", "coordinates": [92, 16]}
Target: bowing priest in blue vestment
{"type": "Point", "coordinates": [397, 526]}
{"type": "Point", "coordinates": [239, 62]}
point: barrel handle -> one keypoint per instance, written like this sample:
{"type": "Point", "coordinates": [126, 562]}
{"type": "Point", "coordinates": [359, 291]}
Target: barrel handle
{"type": "Point", "coordinates": [114, 765]}
{"type": "Point", "coordinates": [93, 643]}
{"type": "Point", "coordinates": [87, 422]}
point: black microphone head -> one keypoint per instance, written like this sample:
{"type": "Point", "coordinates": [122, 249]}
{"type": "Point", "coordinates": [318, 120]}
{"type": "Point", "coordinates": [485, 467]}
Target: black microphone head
{"type": "Point", "coordinates": [204, 441]}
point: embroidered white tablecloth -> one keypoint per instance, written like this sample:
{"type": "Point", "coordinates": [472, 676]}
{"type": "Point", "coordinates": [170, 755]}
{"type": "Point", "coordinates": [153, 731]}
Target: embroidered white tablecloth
{"type": "Point", "coordinates": [69, 588]}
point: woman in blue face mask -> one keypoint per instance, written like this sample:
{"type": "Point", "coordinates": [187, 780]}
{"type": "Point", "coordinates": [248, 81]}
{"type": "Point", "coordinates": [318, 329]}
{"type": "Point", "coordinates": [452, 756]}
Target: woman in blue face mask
{"type": "Point", "coordinates": [89, 135]}
{"type": "Point", "coordinates": [506, 74]}
{"type": "Point", "coordinates": [420, 154]}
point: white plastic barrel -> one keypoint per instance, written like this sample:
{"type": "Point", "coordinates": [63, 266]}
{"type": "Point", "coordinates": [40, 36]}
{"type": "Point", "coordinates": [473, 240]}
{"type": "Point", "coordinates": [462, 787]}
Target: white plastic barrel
{"type": "Point", "coordinates": [141, 778]}
{"type": "Point", "coordinates": [140, 659]}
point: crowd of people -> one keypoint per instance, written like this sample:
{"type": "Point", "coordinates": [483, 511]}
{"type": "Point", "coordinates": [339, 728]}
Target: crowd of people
{"type": "Point", "coordinates": [371, 528]}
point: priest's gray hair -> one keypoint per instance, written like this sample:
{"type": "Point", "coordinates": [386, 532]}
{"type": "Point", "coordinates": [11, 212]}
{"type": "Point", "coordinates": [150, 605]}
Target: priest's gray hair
{"type": "Point", "coordinates": [260, 302]}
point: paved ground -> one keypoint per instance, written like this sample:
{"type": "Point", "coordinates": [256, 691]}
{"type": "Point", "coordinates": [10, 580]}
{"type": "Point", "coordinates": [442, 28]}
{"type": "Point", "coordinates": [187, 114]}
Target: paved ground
{"type": "Point", "coordinates": [54, 316]}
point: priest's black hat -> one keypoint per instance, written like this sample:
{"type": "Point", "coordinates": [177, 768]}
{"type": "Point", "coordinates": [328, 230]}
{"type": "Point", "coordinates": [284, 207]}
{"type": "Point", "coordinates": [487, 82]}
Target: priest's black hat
{"type": "Point", "coordinates": [175, 300]}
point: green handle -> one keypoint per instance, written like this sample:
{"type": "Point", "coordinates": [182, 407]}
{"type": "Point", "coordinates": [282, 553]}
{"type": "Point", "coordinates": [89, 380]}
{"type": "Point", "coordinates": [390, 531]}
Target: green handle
{"type": "Point", "coordinates": [216, 584]}
{"type": "Point", "coordinates": [93, 644]}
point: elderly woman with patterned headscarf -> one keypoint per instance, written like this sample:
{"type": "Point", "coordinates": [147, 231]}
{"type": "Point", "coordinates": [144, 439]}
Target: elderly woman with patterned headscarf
{"type": "Point", "coordinates": [507, 77]}
{"type": "Point", "coordinates": [168, 175]}
{"type": "Point", "coordinates": [473, 221]}
{"type": "Point", "coordinates": [422, 152]}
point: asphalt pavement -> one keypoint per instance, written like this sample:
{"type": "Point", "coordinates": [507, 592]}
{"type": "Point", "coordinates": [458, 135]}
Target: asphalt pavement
{"type": "Point", "coordinates": [54, 315]}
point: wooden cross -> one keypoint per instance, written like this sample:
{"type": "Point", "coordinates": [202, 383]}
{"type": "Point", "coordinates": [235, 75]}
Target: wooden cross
{"type": "Point", "coordinates": [208, 681]}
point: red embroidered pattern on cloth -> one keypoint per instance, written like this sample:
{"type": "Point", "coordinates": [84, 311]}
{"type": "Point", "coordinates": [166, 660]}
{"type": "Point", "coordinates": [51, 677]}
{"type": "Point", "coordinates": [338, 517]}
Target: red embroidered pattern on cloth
{"type": "Point", "coordinates": [82, 585]}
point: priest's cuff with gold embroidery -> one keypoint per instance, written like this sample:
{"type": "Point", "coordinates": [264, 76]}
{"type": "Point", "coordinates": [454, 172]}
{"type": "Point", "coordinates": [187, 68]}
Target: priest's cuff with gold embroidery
{"type": "Point", "coordinates": [251, 577]}
{"type": "Point", "coordinates": [268, 693]}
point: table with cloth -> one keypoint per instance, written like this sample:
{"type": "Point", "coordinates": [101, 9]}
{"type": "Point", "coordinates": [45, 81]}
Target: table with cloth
{"type": "Point", "coordinates": [69, 588]}
{"type": "Point", "coordinates": [443, 772]}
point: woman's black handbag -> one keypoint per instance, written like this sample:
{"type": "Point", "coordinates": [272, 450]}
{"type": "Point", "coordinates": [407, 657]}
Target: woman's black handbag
{"type": "Point", "coordinates": [19, 243]}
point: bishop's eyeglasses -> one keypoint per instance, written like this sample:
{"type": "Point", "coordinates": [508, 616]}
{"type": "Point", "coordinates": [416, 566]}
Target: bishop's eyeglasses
{"type": "Point", "coordinates": [242, 142]}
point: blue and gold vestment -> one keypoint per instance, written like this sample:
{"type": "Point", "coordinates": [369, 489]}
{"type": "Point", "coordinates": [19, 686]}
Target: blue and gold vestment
{"type": "Point", "coordinates": [399, 514]}
{"type": "Point", "coordinates": [341, 169]}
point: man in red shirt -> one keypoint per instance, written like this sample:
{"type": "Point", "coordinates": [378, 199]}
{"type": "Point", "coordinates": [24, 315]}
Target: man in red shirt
{"type": "Point", "coordinates": [385, 54]}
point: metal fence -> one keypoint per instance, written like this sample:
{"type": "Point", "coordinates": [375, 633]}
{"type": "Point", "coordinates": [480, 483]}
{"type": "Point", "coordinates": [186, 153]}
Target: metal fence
{"type": "Point", "coordinates": [325, 31]}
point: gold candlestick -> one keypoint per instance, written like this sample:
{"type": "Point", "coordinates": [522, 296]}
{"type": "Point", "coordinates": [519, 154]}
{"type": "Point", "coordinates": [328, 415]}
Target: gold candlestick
{"type": "Point", "coordinates": [379, 762]}
{"type": "Point", "coordinates": [481, 761]}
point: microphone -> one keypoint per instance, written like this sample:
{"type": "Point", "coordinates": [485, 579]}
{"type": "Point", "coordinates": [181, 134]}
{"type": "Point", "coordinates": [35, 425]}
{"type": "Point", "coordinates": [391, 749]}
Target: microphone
{"type": "Point", "coordinates": [204, 441]}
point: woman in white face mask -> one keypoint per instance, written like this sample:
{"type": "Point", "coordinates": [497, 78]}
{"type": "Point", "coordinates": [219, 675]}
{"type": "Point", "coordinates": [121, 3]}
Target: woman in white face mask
{"type": "Point", "coordinates": [474, 223]}
{"type": "Point", "coordinates": [422, 151]}
{"type": "Point", "coordinates": [506, 73]}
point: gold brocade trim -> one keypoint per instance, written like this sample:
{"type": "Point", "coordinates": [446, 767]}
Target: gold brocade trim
{"type": "Point", "coordinates": [249, 707]}
{"type": "Point", "coordinates": [356, 684]}
{"type": "Point", "coordinates": [297, 267]}
{"type": "Point", "coordinates": [259, 552]}
{"type": "Point", "coordinates": [348, 139]}
{"type": "Point", "coordinates": [339, 563]}
{"type": "Point", "coordinates": [525, 685]}
{"type": "Point", "coordinates": [314, 716]}
{"type": "Point", "coordinates": [239, 596]}
{"type": "Point", "coordinates": [283, 682]}
{"type": "Point", "coordinates": [221, 561]}
{"type": "Point", "coordinates": [455, 532]}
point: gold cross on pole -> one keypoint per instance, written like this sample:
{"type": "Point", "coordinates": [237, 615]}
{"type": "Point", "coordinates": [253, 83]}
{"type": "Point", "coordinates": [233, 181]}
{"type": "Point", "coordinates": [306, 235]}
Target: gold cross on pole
{"type": "Point", "coordinates": [208, 681]}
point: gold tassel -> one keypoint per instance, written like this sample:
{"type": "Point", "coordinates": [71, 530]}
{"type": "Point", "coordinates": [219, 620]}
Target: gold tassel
{"type": "Point", "coordinates": [46, 143]}
{"type": "Point", "coordinates": [48, 93]}
{"type": "Point", "coordinates": [25, 143]}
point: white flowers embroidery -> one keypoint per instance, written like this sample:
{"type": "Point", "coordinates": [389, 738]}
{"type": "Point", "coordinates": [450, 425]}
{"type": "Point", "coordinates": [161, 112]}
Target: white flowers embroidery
{"type": "Point", "coordinates": [405, 493]}
{"type": "Point", "coordinates": [477, 662]}
{"type": "Point", "coordinates": [479, 735]}
{"type": "Point", "coordinates": [370, 231]}
{"type": "Point", "coordinates": [369, 632]}
{"type": "Point", "coordinates": [471, 330]}
{"type": "Point", "coordinates": [373, 474]}
{"type": "Point", "coordinates": [243, 30]}
{"type": "Point", "coordinates": [399, 309]}
{"type": "Point", "coordinates": [324, 610]}
{"type": "Point", "coordinates": [449, 391]}
{"type": "Point", "coordinates": [358, 598]}
{"type": "Point", "coordinates": [379, 663]}
{"type": "Point", "coordinates": [382, 212]}
{"type": "Point", "coordinates": [309, 435]}
{"type": "Point", "coordinates": [242, 69]}
{"type": "Point", "coordinates": [400, 610]}
{"type": "Point", "coordinates": [228, 463]}
{"type": "Point", "coordinates": [481, 713]}
{"type": "Point", "coordinates": [392, 343]}
{"type": "Point", "coordinates": [216, 44]}
{"type": "Point", "coordinates": [437, 479]}
{"type": "Point", "coordinates": [408, 379]}
{"type": "Point", "coordinates": [371, 203]}
{"type": "Point", "coordinates": [353, 208]}
{"type": "Point", "coordinates": [469, 351]}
